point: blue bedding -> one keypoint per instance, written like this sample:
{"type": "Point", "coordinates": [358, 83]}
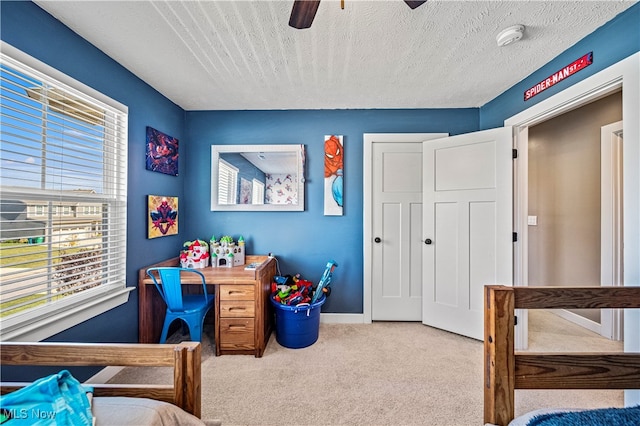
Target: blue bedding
{"type": "Point", "coordinates": [629, 416]}
{"type": "Point", "coordinates": [54, 400]}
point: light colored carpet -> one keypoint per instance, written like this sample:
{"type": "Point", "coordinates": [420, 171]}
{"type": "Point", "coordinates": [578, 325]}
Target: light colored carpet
{"type": "Point", "coordinates": [385, 373]}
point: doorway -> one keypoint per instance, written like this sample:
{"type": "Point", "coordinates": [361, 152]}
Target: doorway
{"type": "Point", "coordinates": [564, 197]}
{"type": "Point", "coordinates": [623, 75]}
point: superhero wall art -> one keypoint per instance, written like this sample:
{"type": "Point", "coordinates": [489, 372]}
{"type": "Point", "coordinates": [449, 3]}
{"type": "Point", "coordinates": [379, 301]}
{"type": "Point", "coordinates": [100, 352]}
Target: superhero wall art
{"type": "Point", "coordinates": [162, 152]}
{"type": "Point", "coordinates": [333, 172]}
{"type": "Point", "coordinates": [162, 216]}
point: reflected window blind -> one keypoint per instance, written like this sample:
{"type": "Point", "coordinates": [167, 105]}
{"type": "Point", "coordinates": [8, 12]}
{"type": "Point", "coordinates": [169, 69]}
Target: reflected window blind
{"type": "Point", "coordinates": [227, 183]}
{"type": "Point", "coordinates": [257, 192]}
{"type": "Point", "coordinates": [63, 191]}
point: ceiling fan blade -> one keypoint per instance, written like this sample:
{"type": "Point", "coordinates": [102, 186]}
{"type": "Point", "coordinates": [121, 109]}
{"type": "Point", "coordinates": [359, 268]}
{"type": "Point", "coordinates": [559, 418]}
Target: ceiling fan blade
{"type": "Point", "coordinates": [414, 4]}
{"type": "Point", "coordinates": [302, 13]}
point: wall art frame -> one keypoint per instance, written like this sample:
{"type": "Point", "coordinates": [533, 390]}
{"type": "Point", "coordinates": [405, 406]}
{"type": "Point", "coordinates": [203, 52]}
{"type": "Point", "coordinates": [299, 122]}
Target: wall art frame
{"type": "Point", "coordinates": [162, 152]}
{"type": "Point", "coordinates": [162, 216]}
{"type": "Point", "coordinates": [333, 175]}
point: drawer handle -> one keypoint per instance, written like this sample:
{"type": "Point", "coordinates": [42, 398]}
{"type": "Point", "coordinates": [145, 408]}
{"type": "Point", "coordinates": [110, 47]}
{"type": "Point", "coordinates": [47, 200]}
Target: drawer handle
{"type": "Point", "coordinates": [237, 327]}
{"type": "Point", "coordinates": [236, 292]}
{"type": "Point", "coordinates": [236, 309]}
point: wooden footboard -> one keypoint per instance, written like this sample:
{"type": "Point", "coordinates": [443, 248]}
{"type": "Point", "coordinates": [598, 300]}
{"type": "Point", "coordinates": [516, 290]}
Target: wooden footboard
{"type": "Point", "coordinates": [507, 370]}
{"type": "Point", "coordinates": [184, 358]}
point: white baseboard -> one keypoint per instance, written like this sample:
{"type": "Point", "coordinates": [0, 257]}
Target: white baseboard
{"type": "Point", "coordinates": [104, 375]}
{"type": "Point", "coordinates": [329, 318]}
{"type": "Point", "coordinates": [578, 319]}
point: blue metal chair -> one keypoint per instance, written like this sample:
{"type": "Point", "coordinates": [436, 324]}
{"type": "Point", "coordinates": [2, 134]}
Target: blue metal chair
{"type": "Point", "coordinates": [190, 308]}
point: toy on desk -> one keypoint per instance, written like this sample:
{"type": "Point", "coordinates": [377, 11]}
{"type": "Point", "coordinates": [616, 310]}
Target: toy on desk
{"type": "Point", "coordinates": [226, 253]}
{"type": "Point", "coordinates": [196, 256]}
{"type": "Point", "coordinates": [252, 266]}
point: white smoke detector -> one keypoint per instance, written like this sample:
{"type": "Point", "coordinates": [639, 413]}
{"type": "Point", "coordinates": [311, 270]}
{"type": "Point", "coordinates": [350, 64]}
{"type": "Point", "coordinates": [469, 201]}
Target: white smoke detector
{"type": "Point", "coordinates": [510, 35]}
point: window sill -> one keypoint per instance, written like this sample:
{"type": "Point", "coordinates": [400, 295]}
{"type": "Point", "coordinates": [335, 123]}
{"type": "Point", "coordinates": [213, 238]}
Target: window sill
{"type": "Point", "coordinates": [44, 325]}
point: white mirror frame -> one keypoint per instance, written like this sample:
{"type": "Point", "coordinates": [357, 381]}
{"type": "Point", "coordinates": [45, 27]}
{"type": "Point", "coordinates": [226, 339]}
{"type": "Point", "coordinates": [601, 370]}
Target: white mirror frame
{"type": "Point", "coordinates": [216, 150]}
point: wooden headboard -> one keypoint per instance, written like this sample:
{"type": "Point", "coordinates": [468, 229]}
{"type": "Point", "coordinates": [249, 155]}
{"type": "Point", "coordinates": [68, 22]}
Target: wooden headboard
{"type": "Point", "coordinates": [184, 358]}
{"type": "Point", "coordinates": [506, 370]}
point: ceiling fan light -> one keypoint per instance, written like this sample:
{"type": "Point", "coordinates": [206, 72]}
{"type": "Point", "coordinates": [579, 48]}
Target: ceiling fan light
{"type": "Point", "coordinates": [510, 35]}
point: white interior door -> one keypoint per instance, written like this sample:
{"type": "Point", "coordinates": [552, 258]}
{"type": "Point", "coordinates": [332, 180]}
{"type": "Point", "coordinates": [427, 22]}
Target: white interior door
{"type": "Point", "coordinates": [393, 226]}
{"type": "Point", "coordinates": [467, 226]}
{"type": "Point", "coordinates": [397, 283]}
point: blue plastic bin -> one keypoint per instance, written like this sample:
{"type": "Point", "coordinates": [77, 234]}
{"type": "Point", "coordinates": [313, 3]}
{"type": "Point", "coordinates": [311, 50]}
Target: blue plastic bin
{"type": "Point", "coordinates": [297, 326]}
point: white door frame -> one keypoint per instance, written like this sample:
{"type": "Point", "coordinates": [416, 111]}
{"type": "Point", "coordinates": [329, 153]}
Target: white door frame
{"type": "Point", "coordinates": [368, 140]}
{"type": "Point", "coordinates": [625, 74]}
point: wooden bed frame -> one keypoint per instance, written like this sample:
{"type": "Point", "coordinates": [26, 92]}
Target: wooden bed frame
{"type": "Point", "coordinates": [184, 358]}
{"type": "Point", "coordinates": [506, 370]}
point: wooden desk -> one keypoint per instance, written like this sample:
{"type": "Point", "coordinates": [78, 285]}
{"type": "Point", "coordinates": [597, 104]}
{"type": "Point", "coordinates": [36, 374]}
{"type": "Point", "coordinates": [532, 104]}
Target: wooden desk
{"type": "Point", "coordinates": [243, 315]}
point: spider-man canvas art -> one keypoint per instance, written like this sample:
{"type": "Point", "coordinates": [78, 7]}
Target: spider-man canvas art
{"type": "Point", "coordinates": [162, 152]}
{"type": "Point", "coordinates": [333, 172]}
{"type": "Point", "coordinates": [163, 216]}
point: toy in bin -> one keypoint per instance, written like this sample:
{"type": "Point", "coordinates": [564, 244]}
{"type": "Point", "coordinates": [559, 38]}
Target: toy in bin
{"type": "Point", "coordinates": [325, 281]}
{"type": "Point", "coordinates": [297, 308]}
{"type": "Point", "coordinates": [293, 290]}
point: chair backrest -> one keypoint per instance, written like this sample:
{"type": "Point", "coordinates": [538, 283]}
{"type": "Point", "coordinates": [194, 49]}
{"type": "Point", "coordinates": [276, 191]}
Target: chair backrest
{"type": "Point", "coordinates": [170, 285]}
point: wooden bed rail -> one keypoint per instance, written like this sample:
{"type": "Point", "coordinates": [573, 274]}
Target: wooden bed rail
{"type": "Point", "coordinates": [184, 358]}
{"type": "Point", "coordinates": [506, 370]}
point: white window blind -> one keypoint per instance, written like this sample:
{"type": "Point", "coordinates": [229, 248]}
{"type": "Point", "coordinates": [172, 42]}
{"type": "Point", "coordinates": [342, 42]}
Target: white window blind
{"type": "Point", "coordinates": [258, 192]}
{"type": "Point", "coordinates": [63, 192]}
{"type": "Point", "coordinates": [227, 183]}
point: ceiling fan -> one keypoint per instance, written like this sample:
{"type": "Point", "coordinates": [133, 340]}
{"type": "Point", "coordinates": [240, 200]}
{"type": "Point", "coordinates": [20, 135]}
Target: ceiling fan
{"type": "Point", "coordinates": [304, 11]}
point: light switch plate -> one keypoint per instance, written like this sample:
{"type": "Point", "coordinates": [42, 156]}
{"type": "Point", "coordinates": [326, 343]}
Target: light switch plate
{"type": "Point", "coordinates": [532, 220]}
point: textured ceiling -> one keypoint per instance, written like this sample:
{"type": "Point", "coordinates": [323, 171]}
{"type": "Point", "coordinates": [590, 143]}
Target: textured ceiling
{"type": "Point", "coordinates": [237, 55]}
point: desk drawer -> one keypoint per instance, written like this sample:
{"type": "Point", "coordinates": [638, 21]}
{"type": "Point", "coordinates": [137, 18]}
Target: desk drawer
{"type": "Point", "coordinates": [237, 309]}
{"type": "Point", "coordinates": [236, 292]}
{"type": "Point", "coordinates": [237, 333]}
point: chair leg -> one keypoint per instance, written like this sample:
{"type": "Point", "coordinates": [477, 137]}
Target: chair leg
{"type": "Point", "coordinates": [165, 329]}
{"type": "Point", "coordinates": [195, 332]}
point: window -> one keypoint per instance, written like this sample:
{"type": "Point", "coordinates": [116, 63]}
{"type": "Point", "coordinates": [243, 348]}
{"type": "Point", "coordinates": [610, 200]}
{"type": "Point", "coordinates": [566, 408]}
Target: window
{"type": "Point", "coordinates": [63, 148]}
{"type": "Point", "coordinates": [227, 183]}
{"type": "Point", "coordinates": [258, 192]}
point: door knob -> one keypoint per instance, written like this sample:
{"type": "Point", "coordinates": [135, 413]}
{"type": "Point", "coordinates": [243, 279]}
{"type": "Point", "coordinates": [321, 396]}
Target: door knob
{"type": "Point", "coordinates": [428, 241]}
{"type": "Point", "coordinates": [377, 239]}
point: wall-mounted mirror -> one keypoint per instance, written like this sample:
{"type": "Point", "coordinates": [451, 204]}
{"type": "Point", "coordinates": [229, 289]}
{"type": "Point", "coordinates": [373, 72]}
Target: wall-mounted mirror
{"type": "Point", "coordinates": [257, 177]}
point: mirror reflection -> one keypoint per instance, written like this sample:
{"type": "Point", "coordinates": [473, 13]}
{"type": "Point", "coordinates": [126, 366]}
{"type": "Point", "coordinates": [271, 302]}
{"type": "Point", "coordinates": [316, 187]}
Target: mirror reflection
{"type": "Point", "coordinates": [257, 177]}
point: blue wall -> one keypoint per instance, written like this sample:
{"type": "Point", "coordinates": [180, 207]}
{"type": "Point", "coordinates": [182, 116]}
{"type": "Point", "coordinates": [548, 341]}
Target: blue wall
{"type": "Point", "coordinates": [302, 241]}
{"type": "Point", "coordinates": [614, 41]}
{"type": "Point", "coordinates": [28, 28]}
